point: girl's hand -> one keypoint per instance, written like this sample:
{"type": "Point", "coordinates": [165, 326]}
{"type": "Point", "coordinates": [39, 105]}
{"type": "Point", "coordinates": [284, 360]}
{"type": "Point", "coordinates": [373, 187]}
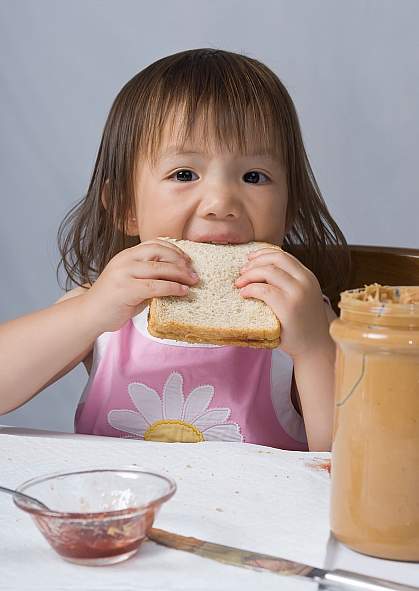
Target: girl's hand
{"type": "Point", "coordinates": [293, 293]}
{"type": "Point", "coordinates": [151, 269]}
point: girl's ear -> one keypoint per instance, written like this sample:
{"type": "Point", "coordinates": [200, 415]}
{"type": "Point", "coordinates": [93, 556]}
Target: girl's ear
{"type": "Point", "coordinates": [105, 195]}
{"type": "Point", "coordinates": [131, 228]}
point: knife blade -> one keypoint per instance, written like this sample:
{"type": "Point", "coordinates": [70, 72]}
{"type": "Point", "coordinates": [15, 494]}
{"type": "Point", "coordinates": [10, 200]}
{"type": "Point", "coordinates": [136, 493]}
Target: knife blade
{"type": "Point", "coordinates": [327, 579]}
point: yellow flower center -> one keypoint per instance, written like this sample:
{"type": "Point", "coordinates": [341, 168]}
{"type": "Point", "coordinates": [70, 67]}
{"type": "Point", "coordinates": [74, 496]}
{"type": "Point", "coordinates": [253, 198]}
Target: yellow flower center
{"type": "Point", "coordinates": [173, 431]}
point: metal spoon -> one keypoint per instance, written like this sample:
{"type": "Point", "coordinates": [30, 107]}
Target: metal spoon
{"type": "Point", "coordinates": [24, 497]}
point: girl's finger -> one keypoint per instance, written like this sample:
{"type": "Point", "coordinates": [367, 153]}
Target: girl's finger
{"type": "Point", "coordinates": [145, 289]}
{"type": "Point", "coordinates": [270, 274]}
{"type": "Point", "coordinates": [272, 296]}
{"type": "Point", "coordinates": [280, 259]}
{"type": "Point", "coordinates": [274, 250]}
{"type": "Point", "coordinates": [171, 245]}
{"type": "Point", "coordinates": [158, 250]}
{"type": "Point", "coordinates": [163, 271]}
{"type": "Point", "coordinates": [264, 250]}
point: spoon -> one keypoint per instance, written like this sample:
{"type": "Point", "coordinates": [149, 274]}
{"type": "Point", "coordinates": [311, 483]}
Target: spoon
{"type": "Point", "coordinates": [25, 497]}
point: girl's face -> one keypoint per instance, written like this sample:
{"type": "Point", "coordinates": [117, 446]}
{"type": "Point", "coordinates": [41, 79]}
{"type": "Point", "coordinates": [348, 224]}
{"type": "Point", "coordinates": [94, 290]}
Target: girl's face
{"type": "Point", "coordinates": [210, 195]}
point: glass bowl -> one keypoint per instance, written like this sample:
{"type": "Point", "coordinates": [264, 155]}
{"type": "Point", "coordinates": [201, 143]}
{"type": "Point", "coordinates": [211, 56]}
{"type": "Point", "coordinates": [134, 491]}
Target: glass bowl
{"type": "Point", "coordinates": [97, 516]}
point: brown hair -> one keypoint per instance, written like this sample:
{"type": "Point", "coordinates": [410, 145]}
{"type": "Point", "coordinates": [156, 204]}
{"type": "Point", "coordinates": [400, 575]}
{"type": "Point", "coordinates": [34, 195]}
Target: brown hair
{"type": "Point", "coordinates": [229, 92]}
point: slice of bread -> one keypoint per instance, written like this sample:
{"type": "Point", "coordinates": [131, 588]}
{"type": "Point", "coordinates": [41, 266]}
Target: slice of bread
{"type": "Point", "coordinates": [214, 311]}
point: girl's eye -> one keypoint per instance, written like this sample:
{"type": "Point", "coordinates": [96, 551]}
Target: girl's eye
{"type": "Point", "coordinates": [185, 175]}
{"type": "Point", "coordinates": [255, 177]}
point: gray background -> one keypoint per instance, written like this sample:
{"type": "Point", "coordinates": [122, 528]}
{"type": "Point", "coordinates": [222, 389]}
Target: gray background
{"type": "Point", "coordinates": [352, 69]}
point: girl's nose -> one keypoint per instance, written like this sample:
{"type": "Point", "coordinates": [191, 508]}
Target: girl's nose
{"type": "Point", "coordinates": [220, 205]}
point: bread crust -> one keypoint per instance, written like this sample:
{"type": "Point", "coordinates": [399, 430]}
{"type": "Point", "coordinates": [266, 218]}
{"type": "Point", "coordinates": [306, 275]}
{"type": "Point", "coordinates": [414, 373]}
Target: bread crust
{"type": "Point", "coordinates": [207, 335]}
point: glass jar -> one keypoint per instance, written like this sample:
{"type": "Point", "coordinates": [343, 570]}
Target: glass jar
{"type": "Point", "coordinates": [375, 451]}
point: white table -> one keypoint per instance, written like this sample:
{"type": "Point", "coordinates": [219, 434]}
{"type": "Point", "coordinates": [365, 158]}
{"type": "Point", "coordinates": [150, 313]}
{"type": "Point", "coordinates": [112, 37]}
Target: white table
{"type": "Point", "coordinates": [257, 498]}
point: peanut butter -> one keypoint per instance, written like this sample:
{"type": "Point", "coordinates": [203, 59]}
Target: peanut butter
{"type": "Point", "coordinates": [375, 453]}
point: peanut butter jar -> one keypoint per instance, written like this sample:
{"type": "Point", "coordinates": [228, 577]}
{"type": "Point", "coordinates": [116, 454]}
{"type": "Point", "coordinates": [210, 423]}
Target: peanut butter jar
{"type": "Point", "coordinates": [375, 451]}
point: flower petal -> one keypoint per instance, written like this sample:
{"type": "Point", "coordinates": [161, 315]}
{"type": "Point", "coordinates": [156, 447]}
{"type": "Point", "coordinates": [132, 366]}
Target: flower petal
{"type": "Point", "coordinates": [147, 401]}
{"type": "Point", "coordinates": [197, 402]}
{"type": "Point", "coordinates": [128, 421]}
{"type": "Point", "coordinates": [229, 432]}
{"type": "Point", "coordinates": [212, 418]}
{"type": "Point", "coordinates": [173, 397]}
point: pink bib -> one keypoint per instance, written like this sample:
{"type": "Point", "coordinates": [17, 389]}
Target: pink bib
{"type": "Point", "coordinates": [162, 390]}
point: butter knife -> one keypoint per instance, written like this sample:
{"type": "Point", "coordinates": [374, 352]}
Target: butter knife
{"type": "Point", "coordinates": [327, 579]}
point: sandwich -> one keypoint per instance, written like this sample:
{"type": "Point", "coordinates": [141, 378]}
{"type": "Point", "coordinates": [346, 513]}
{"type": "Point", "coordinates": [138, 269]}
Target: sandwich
{"type": "Point", "coordinates": [213, 311]}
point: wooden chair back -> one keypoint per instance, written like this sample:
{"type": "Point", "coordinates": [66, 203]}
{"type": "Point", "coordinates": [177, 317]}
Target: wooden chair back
{"type": "Point", "coordinates": [381, 264]}
{"type": "Point", "coordinates": [384, 265]}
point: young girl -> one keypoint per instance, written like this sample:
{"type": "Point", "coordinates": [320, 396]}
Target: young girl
{"type": "Point", "coordinates": [202, 145]}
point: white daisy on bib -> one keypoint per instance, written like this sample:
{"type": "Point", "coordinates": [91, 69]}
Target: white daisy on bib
{"type": "Point", "coordinates": [171, 418]}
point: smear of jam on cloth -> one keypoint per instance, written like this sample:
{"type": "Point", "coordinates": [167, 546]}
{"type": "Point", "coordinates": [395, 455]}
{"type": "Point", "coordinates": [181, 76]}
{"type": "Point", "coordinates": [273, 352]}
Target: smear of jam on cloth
{"type": "Point", "coordinates": [324, 465]}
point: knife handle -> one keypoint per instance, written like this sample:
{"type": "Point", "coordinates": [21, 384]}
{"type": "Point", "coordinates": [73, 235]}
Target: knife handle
{"type": "Point", "coordinates": [342, 579]}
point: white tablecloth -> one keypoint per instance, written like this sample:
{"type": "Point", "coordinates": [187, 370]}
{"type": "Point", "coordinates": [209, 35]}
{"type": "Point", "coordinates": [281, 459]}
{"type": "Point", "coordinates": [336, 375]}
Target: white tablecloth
{"type": "Point", "coordinates": [253, 497]}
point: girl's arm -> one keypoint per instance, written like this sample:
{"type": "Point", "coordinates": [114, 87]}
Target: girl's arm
{"type": "Point", "coordinates": [314, 378]}
{"type": "Point", "coordinates": [86, 356]}
{"type": "Point", "coordinates": [294, 294]}
{"type": "Point", "coordinates": [39, 348]}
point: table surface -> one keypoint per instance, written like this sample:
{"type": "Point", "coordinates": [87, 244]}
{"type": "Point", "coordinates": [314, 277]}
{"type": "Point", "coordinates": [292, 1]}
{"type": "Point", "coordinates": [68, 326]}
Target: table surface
{"type": "Point", "coordinates": [253, 497]}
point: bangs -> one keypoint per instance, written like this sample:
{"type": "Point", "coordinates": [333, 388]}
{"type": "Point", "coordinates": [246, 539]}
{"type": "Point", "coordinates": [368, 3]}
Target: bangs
{"type": "Point", "coordinates": [223, 102]}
